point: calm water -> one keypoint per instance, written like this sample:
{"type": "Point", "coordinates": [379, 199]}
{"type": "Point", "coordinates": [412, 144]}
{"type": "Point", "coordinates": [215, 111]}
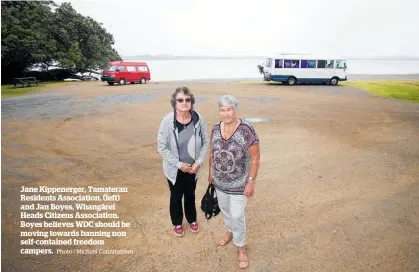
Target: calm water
{"type": "Point", "coordinates": [247, 68]}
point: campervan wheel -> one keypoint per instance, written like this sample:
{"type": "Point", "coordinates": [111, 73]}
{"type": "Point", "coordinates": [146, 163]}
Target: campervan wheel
{"type": "Point", "coordinates": [334, 81]}
{"type": "Point", "coordinates": [291, 80]}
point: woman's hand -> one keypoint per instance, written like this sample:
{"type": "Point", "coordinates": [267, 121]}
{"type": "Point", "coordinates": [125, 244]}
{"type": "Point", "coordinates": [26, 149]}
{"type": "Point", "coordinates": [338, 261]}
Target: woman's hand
{"type": "Point", "coordinates": [185, 168]}
{"type": "Point", "coordinates": [210, 180]}
{"type": "Point", "coordinates": [194, 169]}
{"type": "Point", "coordinates": [249, 190]}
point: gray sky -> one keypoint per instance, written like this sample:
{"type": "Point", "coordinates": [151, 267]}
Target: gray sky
{"type": "Point", "coordinates": [248, 27]}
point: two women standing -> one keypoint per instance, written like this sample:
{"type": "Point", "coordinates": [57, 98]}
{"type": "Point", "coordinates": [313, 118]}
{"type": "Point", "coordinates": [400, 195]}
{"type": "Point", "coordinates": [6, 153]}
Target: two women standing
{"type": "Point", "coordinates": [233, 164]}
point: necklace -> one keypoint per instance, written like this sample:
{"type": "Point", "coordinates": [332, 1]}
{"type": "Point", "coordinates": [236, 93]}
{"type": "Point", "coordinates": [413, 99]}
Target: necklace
{"type": "Point", "coordinates": [224, 130]}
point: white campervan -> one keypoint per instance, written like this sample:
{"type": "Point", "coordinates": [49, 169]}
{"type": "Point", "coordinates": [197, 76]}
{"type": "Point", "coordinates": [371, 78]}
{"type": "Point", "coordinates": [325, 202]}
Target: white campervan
{"type": "Point", "coordinates": [292, 69]}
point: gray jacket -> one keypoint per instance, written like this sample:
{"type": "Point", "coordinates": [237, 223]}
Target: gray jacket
{"type": "Point", "coordinates": [167, 143]}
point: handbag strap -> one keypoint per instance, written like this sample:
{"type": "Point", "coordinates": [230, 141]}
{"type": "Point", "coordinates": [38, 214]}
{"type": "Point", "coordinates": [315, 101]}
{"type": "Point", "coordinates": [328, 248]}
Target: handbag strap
{"type": "Point", "coordinates": [208, 189]}
{"type": "Point", "coordinates": [212, 190]}
{"type": "Point", "coordinates": [208, 215]}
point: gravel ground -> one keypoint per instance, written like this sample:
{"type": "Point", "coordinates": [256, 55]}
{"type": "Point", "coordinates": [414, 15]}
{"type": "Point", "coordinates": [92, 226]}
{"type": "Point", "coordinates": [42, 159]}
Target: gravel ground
{"type": "Point", "coordinates": [338, 187]}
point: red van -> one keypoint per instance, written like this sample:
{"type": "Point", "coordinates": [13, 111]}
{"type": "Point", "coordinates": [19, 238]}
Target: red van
{"type": "Point", "coordinates": [122, 72]}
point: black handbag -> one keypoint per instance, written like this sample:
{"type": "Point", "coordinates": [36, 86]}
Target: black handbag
{"type": "Point", "coordinates": [209, 202]}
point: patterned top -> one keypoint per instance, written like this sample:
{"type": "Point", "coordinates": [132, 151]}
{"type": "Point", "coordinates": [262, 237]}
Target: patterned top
{"type": "Point", "coordinates": [231, 159]}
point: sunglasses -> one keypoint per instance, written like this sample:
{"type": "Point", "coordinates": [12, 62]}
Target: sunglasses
{"type": "Point", "coordinates": [187, 100]}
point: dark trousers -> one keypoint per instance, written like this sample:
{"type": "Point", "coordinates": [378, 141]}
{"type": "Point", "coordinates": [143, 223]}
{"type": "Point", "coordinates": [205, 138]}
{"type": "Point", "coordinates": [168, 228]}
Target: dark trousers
{"type": "Point", "coordinates": [185, 185]}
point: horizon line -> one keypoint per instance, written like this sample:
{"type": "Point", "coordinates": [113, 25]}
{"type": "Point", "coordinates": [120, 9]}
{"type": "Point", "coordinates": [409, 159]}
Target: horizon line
{"type": "Point", "coordinates": [240, 56]}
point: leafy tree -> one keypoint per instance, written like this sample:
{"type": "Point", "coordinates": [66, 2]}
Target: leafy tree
{"type": "Point", "coordinates": [35, 34]}
{"type": "Point", "coordinates": [25, 41]}
{"type": "Point", "coordinates": [84, 43]}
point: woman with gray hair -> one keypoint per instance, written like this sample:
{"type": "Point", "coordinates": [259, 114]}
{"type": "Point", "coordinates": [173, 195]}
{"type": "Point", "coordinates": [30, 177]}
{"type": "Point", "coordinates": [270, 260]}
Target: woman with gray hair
{"type": "Point", "coordinates": [234, 163]}
{"type": "Point", "coordinates": [182, 141]}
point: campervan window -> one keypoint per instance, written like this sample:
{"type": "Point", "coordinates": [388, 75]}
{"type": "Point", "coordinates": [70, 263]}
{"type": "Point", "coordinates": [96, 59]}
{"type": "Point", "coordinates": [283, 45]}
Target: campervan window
{"type": "Point", "coordinates": [120, 68]}
{"type": "Point", "coordinates": [311, 64]}
{"type": "Point", "coordinates": [291, 63]}
{"type": "Point", "coordinates": [278, 63]}
{"type": "Point", "coordinates": [340, 64]}
{"type": "Point", "coordinates": [321, 64]}
{"type": "Point", "coordinates": [268, 63]}
{"type": "Point", "coordinates": [330, 63]}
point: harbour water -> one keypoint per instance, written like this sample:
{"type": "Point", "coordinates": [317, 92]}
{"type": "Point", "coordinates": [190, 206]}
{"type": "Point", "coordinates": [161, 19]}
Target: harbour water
{"type": "Point", "coordinates": [167, 70]}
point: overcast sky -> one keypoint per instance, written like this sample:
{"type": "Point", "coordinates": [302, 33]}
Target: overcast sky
{"type": "Point", "coordinates": [249, 27]}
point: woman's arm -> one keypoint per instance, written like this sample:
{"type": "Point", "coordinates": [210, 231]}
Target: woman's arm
{"type": "Point", "coordinates": [204, 149]}
{"type": "Point", "coordinates": [163, 146]}
{"type": "Point", "coordinates": [210, 166]}
{"type": "Point", "coordinates": [254, 152]}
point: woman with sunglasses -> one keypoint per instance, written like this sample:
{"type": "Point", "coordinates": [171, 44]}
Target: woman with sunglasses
{"type": "Point", "coordinates": [182, 141]}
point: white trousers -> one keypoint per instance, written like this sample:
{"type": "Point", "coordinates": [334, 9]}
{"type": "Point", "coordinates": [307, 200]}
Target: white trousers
{"type": "Point", "coordinates": [233, 209]}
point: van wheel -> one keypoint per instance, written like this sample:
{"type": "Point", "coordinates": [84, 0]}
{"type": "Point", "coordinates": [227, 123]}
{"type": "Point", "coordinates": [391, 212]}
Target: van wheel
{"type": "Point", "coordinates": [111, 83]}
{"type": "Point", "coordinates": [334, 81]}
{"type": "Point", "coordinates": [291, 80]}
{"type": "Point", "coordinates": [122, 81]}
{"type": "Point", "coordinates": [143, 80]}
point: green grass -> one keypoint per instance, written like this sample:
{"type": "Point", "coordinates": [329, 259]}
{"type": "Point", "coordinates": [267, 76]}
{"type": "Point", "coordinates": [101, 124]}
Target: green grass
{"type": "Point", "coordinates": [8, 90]}
{"type": "Point", "coordinates": [407, 90]}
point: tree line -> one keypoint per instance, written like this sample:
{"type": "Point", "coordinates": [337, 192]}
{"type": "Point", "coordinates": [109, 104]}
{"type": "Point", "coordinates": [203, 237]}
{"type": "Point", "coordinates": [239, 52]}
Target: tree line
{"type": "Point", "coordinates": [42, 33]}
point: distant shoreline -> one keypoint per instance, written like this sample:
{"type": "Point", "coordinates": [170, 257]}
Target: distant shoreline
{"type": "Point", "coordinates": [351, 77]}
{"type": "Point", "coordinates": [167, 57]}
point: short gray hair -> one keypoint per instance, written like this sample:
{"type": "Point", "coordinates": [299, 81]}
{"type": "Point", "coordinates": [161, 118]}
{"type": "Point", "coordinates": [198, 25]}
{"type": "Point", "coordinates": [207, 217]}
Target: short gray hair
{"type": "Point", "coordinates": [228, 100]}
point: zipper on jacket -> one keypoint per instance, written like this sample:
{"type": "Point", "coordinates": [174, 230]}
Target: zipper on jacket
{"type": "Point", "coordinates": [195, 140]}
{"type": "Point", "coordinates": [177, 143]}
